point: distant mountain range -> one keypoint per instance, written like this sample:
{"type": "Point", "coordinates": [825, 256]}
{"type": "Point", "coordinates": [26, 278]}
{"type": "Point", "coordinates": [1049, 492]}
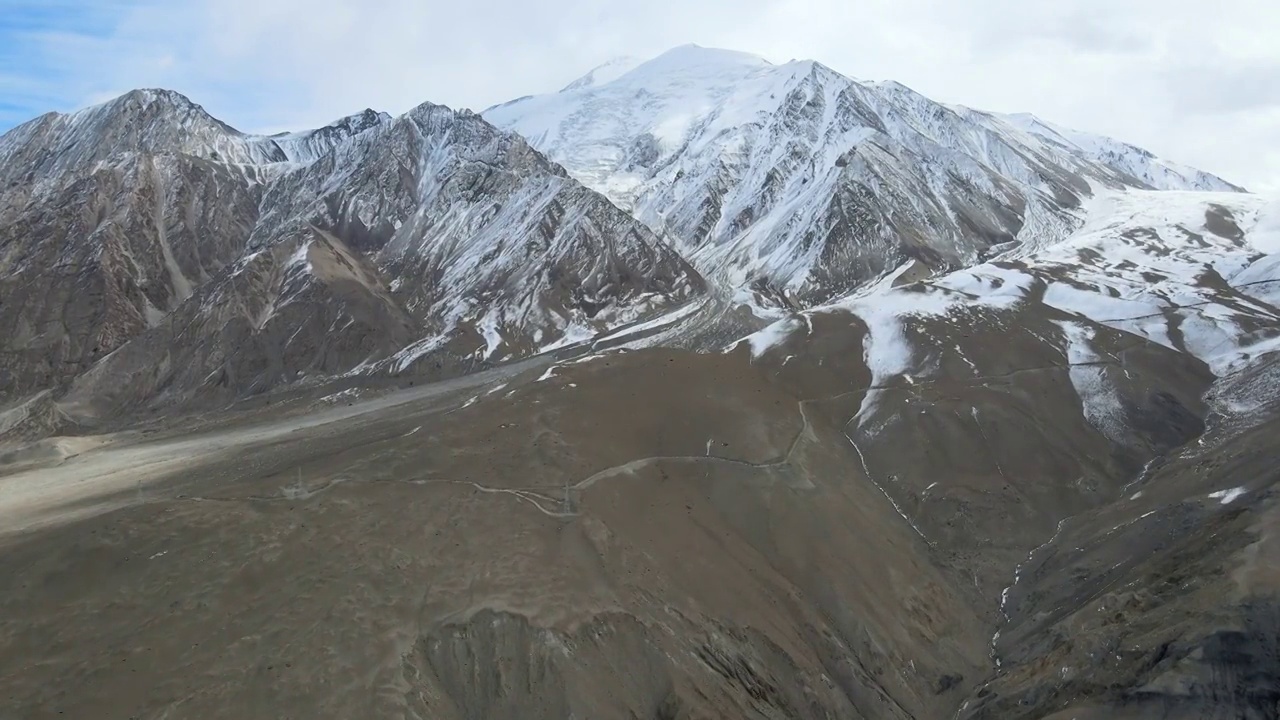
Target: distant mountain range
{"type": "Point", "coordinates": [151, 243]}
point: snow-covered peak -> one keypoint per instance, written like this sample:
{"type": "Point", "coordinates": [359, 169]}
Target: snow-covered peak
{"type": "Point", "coordinates": [155, 122]}
{"type": "Point", "coordinates": [430, 234]}
{"type": "Point", "coordinates": [153, 101]}
{"type": "Point", "coordinates": [590, 125]}
{"type": "Point", "coordinates": [811, 182]}
{"type": "Point", "coordinates": [1028, 122]}
{"type": "Point", "coordinates": [142, 121]}
{"type": "Point", "coordinates": [610, 133]}
{"type": "Point", "coordinates": [482, 235]}
{"type": "Point", "coordinates": [695, 59]}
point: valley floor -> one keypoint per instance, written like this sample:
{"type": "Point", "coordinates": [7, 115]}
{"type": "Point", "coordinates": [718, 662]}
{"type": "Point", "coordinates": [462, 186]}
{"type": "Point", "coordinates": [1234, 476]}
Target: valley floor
{"type": "Point", "coordinates": [653, 533]}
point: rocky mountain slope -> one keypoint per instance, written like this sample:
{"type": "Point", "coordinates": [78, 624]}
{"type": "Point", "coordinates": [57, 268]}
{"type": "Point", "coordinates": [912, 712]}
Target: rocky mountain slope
{"type": "Point", "coordinates": [803, 184]}
{"type": "Point", "coordinates": [182, 256]}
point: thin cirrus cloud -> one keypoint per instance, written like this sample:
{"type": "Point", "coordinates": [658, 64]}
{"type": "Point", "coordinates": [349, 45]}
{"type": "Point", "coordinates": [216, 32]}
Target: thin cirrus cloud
{"type": "Point", "coordinates": [1198, 86]}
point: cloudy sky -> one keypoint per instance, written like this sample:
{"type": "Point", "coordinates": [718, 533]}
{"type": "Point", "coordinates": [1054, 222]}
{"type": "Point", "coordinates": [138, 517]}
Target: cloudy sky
{"type": "Point", "coordinates": [1192, 81]}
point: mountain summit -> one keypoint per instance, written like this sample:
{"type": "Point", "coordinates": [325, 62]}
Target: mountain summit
{"type": "Point", "coordinates": [803, 183]}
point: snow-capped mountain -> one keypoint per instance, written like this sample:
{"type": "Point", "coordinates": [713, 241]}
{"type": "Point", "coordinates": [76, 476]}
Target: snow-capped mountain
{"type": "Point", "coordinates": [174, 252]}
{"type": "Point", "coordinates": [435, 240]}
{"type": "Point", "coordinates": [805, 184]}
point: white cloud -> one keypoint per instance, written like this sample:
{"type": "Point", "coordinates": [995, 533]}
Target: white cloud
{"type": "Point", "coordinates": [1194, 83]}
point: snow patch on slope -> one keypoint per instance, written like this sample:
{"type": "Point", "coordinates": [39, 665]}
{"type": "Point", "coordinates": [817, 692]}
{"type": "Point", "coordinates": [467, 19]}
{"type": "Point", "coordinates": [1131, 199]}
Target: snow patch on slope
{"type": "Point", "coordinates": [887, 350]}
{"type": "Point", "coordinates": [772, 336]}
{"type": "Point", "coordinates": [1149, 263]}
{"type": "Point", "coordinates": [661, 321]}
{"type": "Point", "coordinates": [1226, 497]}
{"type": "Point", "coordinates": [488, 327]}
{"type": "Point", "coordinates": [1098, 400]}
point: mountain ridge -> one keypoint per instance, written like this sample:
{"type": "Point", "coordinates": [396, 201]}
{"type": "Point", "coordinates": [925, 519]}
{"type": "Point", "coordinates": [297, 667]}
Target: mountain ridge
{"type": "Point", "coordinates": [897, 180]}
{"type": "Point", "coordinates": [427, 183]}
{"type": "Point", "coordinates": [716, 149]}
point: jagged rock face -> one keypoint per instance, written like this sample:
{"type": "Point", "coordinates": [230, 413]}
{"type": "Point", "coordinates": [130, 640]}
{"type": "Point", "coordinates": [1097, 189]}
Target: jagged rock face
{"type": "Point", "coordinates": [481, 232]}
{"type": "Point", "coordinates": [309, 307]}
{"type": "Point", "coordinates": [112, 217]}
{"type": "Point", "coordinates": [804, 183]}
{"type": "Point", "coordinates": [106, 256]}
{"type": "Point", "coordinates": [194, 259]}
{"type": "Point", "coordinates": [45, 152]}
{"type": "Point", "coordinates": [310, 145]}
{"type": "Point", "coordinates": [432, 243]}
